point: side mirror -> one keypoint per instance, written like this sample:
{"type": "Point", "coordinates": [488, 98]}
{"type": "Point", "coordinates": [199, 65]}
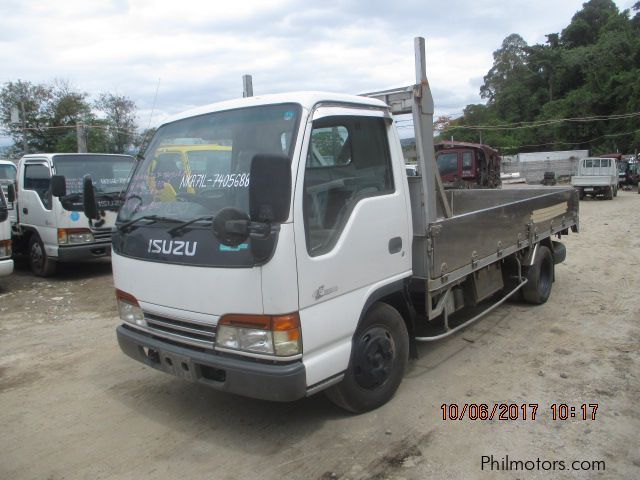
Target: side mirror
{"type": "Point", "coordinates": [270, 188]}
{"type": "Point", "coordinates": [89, 198]}
{"type": "Point", "coordinates": [58, 186]}
{"type": "Point", "coordinates": [11, 193]}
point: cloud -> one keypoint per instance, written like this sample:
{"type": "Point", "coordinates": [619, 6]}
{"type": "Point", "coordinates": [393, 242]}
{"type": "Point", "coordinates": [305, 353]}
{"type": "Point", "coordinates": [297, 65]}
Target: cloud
{"type": "Point", "coordinates": [200, 49]}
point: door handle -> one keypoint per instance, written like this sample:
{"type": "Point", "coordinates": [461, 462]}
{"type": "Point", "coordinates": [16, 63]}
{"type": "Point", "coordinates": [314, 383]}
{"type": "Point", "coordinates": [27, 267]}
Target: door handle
{"type": "Point", "coordinates": [395, 245]}
{"type": "Point", "coordinates": [25, 210]}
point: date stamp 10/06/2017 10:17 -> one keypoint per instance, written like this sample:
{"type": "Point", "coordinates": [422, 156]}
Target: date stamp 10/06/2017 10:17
{"type": "Point", "coordinates": [516, 411]}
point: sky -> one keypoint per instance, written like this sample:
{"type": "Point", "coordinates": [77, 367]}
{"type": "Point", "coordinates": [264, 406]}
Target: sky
{"type": "Point", "coordinates": [169, 56]}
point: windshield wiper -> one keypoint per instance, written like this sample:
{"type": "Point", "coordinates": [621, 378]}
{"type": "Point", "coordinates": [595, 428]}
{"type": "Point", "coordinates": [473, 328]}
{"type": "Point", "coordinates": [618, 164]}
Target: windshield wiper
{"type": "Point", "coordinates": [153, 219]}
{"type": "Point", "coordinates": [110, 196]}
{"type": "Point", "coordinates": [72, 196]}
{"type": "Point", "coordinates": [179, 228]}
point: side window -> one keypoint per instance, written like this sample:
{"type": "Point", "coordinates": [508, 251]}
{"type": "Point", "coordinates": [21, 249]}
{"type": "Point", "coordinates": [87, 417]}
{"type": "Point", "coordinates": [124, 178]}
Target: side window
{"type": "Point", "coordinates": [330, 147]}
{"type": "Point", "coordinates": [38, 178]}
{"type": "Point", "coordinates": [467, 160]}
{"type": "Point", "coordinates": [348, 160]}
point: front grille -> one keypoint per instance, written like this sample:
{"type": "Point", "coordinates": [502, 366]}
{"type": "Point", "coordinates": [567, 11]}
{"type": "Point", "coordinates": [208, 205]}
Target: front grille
{"type": "Point", "coordinates": [198, 334]}
{"type": "Point", "coordinates": [102, 234]}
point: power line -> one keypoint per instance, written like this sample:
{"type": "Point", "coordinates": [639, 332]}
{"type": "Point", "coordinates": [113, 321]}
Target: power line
{"type": "Point", "coordinates": [571, 143]}
{"type": "Point", "coordinates": [542, 123]}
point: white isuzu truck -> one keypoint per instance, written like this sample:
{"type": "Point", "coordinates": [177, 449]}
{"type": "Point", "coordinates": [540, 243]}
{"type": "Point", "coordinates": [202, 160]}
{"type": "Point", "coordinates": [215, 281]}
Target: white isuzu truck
{"type": "Point", "coordinates": [51, 226]}
{"type": "Point", "coordinates": [307, 260]}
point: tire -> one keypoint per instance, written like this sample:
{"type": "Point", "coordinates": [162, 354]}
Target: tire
{"type": "Point", "coordinates": [615, 191]}
{"type": "Point", "coordinates": [41, 264]}
{"type": "Point", "coordinates": [539, 277]}
{"type": "Point", "coordinates": [609, 194]}
{"type": "Point", "coordinates": [379, 357]}
{"type": "Point", "coordinates": [581, 193]}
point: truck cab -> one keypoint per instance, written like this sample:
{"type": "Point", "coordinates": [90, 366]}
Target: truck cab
{"type": "Point", "coordinates": [467, 165]}
{"type": "Point", "coordinates": [6, 263]}
{"type": "Point", "coordinates": [51, 226]}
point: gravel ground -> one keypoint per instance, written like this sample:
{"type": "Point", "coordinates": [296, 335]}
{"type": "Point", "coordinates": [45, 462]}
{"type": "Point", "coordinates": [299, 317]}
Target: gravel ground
{"type": "Point", "coordinates": [74, 407]}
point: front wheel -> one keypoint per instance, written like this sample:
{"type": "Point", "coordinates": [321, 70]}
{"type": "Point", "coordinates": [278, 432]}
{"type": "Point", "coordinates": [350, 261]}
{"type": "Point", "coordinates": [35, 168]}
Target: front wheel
{"type": "Point", "coordinates": [379, 357]}
{"type": "Point", "coordinates": [539, 277]}
{"type": "Point", "coordinates": [40, 263]}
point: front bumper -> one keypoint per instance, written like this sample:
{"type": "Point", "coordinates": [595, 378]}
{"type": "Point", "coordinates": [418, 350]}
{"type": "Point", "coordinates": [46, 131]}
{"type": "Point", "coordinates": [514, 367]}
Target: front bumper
{"type": "Point", "coordinates": [6, 267]}
{"type": "Point", "coordinates": [70, 253]}
{"type": "Point", "coordinates": [281, 383]}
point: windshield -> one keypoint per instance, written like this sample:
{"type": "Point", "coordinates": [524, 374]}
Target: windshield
{"type": "Point", "coordinates": [110, 173]}
{"type": "Point", "coordinates": [199, 165]}
{"type": "Point", "coordinates": [7, 172]}
{"type": "Point", "coordinates": [448, 163]}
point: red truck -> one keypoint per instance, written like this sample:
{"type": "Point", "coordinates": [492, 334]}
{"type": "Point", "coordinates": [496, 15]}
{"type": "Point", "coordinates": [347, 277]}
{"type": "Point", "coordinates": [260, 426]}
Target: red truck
{"type": "Point", "coordinates": [468, 165]}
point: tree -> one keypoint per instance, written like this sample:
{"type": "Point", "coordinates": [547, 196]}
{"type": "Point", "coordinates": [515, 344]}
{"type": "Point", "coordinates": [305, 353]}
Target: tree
{"type": "Point", "coordinates": [586, 24]}
{"type": "Point", "coordinates": [32, 102]}
{"type": "Point", "coordinates": [68, 108]}
{"type": "Point", "coordinates": [508, 61]}
{"type": "Point", "coordinates": [120, 113]}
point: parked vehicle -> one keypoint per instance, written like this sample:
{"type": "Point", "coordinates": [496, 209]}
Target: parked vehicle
{"type": "Point", "coordinates": [50, 225]}
{"type": "Point", "coordinates": [596, 176]}
{"type": "Point", "coordinates": [310, 261]}
{"type": "Point", "coordinates": [6, 263]}
{"type": "Point", "coordinates": [468, 165]}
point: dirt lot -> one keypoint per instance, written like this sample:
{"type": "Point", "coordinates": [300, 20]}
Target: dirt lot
{"type": "Point", "coordinates": [74, 407]}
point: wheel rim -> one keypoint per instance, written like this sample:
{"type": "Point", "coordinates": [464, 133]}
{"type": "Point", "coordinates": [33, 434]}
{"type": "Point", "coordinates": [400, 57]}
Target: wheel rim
{"type": "Point", "coordinates": [375, 357]}
{"type": "Point", "coordinates": [37, 257]}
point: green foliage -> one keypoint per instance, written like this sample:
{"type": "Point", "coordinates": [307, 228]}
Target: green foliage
{"type": "Point", "coordinates": [591, 69]}
{"type": "Point", "coordinates": [49, 115]}
{"type": "Point", "coordinates": [120, 114]}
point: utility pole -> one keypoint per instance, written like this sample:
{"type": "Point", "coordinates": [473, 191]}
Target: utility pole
{"type": "Point", "coordinates": [81, 138]}
{"type": "Point", "coordinates": [247, 86]}
{"type": "Point", "coordinates": [25, 144]}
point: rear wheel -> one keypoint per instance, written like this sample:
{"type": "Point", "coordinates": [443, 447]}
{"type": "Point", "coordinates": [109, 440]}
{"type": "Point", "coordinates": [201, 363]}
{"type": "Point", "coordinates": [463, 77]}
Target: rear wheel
{"type": "Point", "coordinates": [379, 357]}
{"type": "Point", "coordinates": [609, 194]}
{"type": "Point", "coordinates": [581, 193]}
{"type": "Point", "coordinates": [40, 263]}
{"type": "Point", "coordinates": [539, 277]}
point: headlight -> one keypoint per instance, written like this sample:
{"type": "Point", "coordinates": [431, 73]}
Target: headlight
{"type": "Point", "coordinates": [129, 309]}
{"type": "Point", "coordinates": [278, 335]}
{"type": "Point", "coordinates": [74, 236]}
{"type": "Point", "coordinates": [5, 248]}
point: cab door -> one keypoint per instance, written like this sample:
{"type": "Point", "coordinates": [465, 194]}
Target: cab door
{"type": "Point", "coordinates": [36, 202]}
{"type": "Point", "coordinates": [352, 228]}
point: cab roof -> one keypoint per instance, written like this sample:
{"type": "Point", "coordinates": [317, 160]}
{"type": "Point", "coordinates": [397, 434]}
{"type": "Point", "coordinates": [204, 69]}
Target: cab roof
{"type": "Point", "coordinates": [307, 99]}
{"type": "Point", "coordinates": [49, 156]}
